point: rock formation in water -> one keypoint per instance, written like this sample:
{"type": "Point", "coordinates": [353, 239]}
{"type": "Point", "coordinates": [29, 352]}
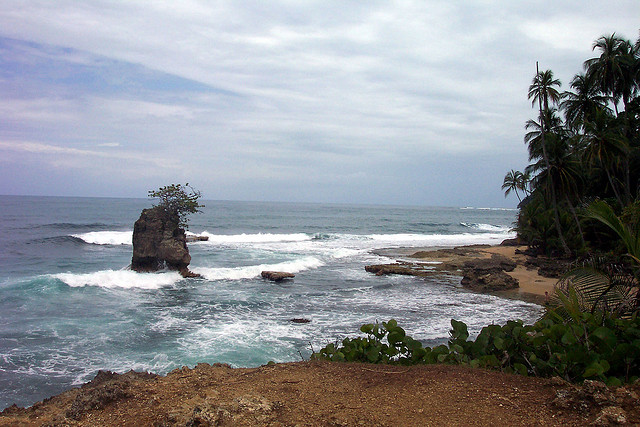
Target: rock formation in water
{"type": "Point", "coordinates": [159, 242]}
{"type": "Point", "coordinates": [277, 276]}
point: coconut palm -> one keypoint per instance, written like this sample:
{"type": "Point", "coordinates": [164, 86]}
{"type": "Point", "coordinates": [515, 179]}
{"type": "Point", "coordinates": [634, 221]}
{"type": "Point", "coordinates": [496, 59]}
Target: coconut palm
{"type": "Point", "coordinates": [614, 69]}
{"type": "Point", "coordinates": [564, 172]}
{"type": "Point", "coordinates": [511, 183]}
{"type": "Point", "coordinates": [543, 89]}
{"type": "Point", "coordinates": [604, 146]}
{"type": "Point", "coordinates": [524, 181]}
{"type": "Point", "coordinates": [581, 105]}
{"type": "Point", "coordinates": [550, 124]}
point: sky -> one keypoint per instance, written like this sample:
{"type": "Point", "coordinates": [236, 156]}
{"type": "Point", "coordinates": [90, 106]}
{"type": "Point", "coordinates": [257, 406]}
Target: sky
{"type": "Point", "coordinates": [372, 102]}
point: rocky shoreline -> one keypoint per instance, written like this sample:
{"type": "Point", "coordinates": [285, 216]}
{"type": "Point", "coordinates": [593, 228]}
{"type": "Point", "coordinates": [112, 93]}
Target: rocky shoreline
{"type": "Point", "coordinates": [505, 270]}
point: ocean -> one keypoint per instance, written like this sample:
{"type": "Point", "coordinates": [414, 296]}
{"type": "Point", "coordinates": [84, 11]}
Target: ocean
{"type": "Point", "coordinates": [70, 307]}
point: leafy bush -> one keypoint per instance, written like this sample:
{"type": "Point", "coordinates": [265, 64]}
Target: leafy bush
{"type": "Point", "coordinates": [178, 201]}
{"type": "Point", "coordinates": [590, 346]}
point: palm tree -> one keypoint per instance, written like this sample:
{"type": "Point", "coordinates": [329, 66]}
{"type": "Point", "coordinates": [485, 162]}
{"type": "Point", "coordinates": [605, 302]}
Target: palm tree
{"type": "Point", "coordinates": [582, 104]}
{"type": "Point", "coordinates": [524, 181]}
{"type": "Point", "coordinates": [604, 145]}
{"type": "Point", "coordinates": [613, 70]}
{"type": "Point", "coordinates": [564, 172]}
{"type": "Point", "coordinates": [550, 124]}
{"type": "Point", "coordinates": [511, 183]}
{"type": "Point", "coordinates": [543, 89]}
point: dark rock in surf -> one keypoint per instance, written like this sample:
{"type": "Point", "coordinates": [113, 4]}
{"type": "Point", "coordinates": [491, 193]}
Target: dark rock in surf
{"type": "Point", "coordinates": [404, 269]}
{"type": "Point", "coordinates": [196, 238]}
{"type": "Point", "coordinates": [512, 242]}
{"type": "Point", "coordinates": [158, 242]}
{"type": "Point", "coordinates": [276, 276]}
{"type": "Point", "coordinates": [300, 320]}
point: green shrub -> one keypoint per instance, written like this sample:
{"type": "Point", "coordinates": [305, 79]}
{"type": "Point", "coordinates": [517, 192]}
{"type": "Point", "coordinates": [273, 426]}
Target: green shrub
{"type": "Point", "coordinates": [593, 346]}
{"type": "Point", "coordinates": [178, 201]}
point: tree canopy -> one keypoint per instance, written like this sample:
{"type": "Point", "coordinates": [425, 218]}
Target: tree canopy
{"type": "Point", "coordinates": [178, 201]}
{"type": "Point", "coordinates": [584, 145]}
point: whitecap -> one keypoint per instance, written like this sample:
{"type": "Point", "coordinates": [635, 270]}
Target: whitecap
{"type": "Point", "coordinates": [486, 227]}
{"type": "Point", "coordinates": [119, 279]}
{"type": "Point", "coordinates": [251, 271]}
{"type": "Point", "coordinates": [254, 238]}
{"type": "Point", "coordinates": [445, 240]}
{"type": "Point", "coordinates": [106, 237]}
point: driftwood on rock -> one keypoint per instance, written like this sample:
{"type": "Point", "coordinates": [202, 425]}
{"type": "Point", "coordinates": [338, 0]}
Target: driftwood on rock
{"type": "Point", "coordinates": [277, 276]}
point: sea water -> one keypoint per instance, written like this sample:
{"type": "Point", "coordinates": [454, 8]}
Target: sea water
{"type": "Point", "coordinates": [70, 307]}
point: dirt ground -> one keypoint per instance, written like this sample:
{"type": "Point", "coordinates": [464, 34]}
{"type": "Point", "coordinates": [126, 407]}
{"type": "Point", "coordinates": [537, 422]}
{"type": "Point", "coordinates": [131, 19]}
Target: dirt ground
{"type": "Point", "coordinates": [312, 394]}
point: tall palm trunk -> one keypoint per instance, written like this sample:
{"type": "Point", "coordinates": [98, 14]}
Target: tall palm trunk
{"type": "Point", "coordinates": [554, 200]}
{"type": "Point", "coordinates": [613, 187]}
{"type": "Point", "coordinates": [576, 219]}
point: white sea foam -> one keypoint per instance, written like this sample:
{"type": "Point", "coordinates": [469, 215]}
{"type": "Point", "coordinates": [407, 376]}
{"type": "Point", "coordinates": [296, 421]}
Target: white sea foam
{"type": "Point", "coordinates": [252, 271]}
{"type": "Point", "coordinates": [344, 252]}
{"type": "Point", "coordinates": [254, 238]}
{"type": "Point", "coordinates": [441, 239]}
{"type": "Point", "coordinates": [120, 279]}
{"type": "Point", "coordinates": [490, 209]}
{"type": "Point", "coordinates": [106, 237]}
{"type": "Point", "coordinates": [486, 227]}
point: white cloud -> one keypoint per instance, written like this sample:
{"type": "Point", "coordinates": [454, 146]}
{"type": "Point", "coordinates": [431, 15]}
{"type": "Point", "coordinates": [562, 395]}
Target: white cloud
{"type": "Point", "coordinates": [308, 83]}
{"type": "Point", "coordinates": [69, 156]}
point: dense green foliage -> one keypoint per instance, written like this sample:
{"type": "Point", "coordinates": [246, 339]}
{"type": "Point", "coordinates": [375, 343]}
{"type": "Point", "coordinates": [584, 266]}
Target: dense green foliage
{"type": "Point", "coordinates": [586, 346]}
{"type": "Point", "coordinates": [178, 201]}
{"type": "Point", "coordinates": [583, 146]}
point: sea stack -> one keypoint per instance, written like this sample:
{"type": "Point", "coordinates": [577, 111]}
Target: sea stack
{"type": "Point", "coordinates": [159, 242]}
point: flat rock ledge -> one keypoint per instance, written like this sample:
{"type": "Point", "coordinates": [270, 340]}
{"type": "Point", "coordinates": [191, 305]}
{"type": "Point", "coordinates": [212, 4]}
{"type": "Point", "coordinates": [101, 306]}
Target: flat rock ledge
{"type": "Point", "coordinates": [402, 268]}
{"type": "Point", "coordinates": [478, 274]}
{"type": "Point", "coordinates": [277, 276]}
{"type": "Point", "coordinates": [489, 275]}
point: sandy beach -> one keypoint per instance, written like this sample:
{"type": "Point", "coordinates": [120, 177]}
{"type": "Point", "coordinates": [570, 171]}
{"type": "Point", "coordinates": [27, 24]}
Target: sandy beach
{"type": "Point", "coordinates": [532, 285]}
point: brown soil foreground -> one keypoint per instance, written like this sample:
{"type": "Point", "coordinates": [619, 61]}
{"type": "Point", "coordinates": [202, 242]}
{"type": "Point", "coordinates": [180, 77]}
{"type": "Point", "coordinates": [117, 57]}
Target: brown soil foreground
{"type": "Point", "coordinates": [312, 394]}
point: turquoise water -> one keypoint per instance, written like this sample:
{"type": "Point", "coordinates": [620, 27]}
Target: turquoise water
{"type": "Point", "coordinates": [70, 306]}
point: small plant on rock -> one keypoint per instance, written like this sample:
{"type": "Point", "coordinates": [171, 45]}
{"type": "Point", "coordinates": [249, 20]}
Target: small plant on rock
{"type": "Point", "coordinates": [178, 201]}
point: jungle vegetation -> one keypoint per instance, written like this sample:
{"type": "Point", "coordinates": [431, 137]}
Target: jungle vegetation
{"type": "Point", "coordinates": [584, 146]}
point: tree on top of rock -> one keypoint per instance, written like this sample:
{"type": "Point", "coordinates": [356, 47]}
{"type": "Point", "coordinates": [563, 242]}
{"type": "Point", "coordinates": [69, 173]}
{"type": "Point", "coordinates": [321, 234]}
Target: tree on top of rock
{"type": "Point", "coordinates": [178, 201]}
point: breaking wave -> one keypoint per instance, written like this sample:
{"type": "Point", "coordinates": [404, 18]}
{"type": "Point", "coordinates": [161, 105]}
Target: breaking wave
{"type": "Point", "coordinates": [106, 237]}
{"type": "Point", "coordinates": [119, 279]}
{"type": "Point", "coordinates": [251, 271]}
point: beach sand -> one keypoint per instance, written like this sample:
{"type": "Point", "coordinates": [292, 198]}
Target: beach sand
{"type": "Point", "coordinates": [530, 281]}
{"type": "Point", "coordinates": [532, 286]}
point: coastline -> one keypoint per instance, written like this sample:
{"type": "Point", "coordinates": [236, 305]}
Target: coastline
{"type": "Point", "coordinates": [532, 285]}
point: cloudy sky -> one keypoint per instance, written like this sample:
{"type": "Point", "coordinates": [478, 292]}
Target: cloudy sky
{"type": "Point", "coordinates": [393, 102]}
